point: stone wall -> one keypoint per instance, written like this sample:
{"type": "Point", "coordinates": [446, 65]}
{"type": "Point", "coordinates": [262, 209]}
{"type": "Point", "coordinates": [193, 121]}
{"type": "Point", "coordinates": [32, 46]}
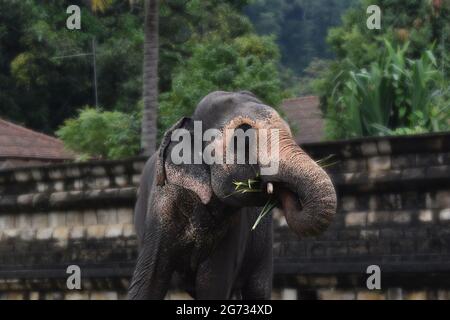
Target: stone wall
{"type": "Point", "coordinates": [393, 211]}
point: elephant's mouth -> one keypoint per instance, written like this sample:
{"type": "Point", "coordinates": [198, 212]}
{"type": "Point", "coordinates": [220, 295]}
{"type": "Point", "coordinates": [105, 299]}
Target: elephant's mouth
{"type": "Point", "coordinates": [286, 199]}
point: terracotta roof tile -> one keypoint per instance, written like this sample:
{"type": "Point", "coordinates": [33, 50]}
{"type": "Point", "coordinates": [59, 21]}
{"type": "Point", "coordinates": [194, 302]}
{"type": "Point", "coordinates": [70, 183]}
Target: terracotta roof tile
{"type": "Point", "coordinates": [20, 142]}
{"type": "Point", "coordinates": [305, 114]}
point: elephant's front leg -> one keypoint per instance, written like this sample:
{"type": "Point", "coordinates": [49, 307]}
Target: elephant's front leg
{"type": "Point", "coordinates": [155, 264]}
{"type": "Point", "coordinates": [154, 268]}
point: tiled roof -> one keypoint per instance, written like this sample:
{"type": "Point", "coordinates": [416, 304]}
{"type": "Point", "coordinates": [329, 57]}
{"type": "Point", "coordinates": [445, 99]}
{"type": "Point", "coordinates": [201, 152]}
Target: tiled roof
{"type": "Point", "coordinates": [305, 115]}
{"type": "Point", "coordinates": [20, 142]}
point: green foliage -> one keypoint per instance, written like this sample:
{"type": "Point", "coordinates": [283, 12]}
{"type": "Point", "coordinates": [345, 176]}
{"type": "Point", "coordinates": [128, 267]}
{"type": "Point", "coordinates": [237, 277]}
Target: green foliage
{"type": "Point", "coordinates": [244, 63]}
{"type": "Point", "coordinates": [419, 102]}
{"type": "Point", "coordinates": [40, 86]}
{"type": "Point", "coordinates": [205, 45]}
{"type": "Point", "coordinates": [395, 95]}
{"type": "Point", "coordinates": [300, 27]}
{"type": "Point", "coordinates": [101, 134]}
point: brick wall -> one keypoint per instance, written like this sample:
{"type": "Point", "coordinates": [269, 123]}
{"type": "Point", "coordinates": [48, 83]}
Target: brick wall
{"type": "Point", "coordinates": [393, 211]}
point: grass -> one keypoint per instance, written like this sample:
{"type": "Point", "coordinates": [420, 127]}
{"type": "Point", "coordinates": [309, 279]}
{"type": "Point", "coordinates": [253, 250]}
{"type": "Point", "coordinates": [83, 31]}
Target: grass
{"type": "Point", "coordinates": [255, 185]}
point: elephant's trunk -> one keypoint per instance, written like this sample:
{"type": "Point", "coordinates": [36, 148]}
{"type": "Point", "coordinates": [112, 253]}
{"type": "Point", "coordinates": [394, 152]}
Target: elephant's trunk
{"type": "Point", "coordinates": [305, 191]}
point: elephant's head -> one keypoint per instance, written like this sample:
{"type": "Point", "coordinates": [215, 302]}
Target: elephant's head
{"type": "Point", "coordinates": [302, 188]}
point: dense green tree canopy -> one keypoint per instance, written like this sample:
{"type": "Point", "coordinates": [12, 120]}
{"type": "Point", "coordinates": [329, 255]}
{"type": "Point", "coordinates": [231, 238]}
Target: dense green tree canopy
{"type": "Point", "coordinates": [244, 63]}
{"type": "Point", "coordinates": [42, 82]}
{"type": "Point", "coordinates": [300, 27]}
{"type": "Point", "coordinates": [366, 67]}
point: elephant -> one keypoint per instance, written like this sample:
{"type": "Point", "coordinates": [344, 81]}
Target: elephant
{"type": "Point", "coordinates": [191, 223]}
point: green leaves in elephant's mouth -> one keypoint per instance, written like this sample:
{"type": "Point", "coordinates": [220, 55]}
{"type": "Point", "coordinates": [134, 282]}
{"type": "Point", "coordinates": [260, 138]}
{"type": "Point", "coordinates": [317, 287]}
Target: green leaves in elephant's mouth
{"type": "Point", "coordinates": [270, 204]}
{"type": "Point", "coordinates": [325, 162]}
{"type": "Point", "coordinates": [254, 186]}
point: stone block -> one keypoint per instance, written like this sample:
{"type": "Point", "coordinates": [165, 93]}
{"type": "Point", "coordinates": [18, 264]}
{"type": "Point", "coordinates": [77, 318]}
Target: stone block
{"type": "Point", "coordinates": [77, 232]}
{"type": "Point", "coordinates": [44, 233]}
{"type": "Point", "coordinates": [118, 170]}
{"type": "Point", "coordinates": [90, 217]}
{"type": "Point", "coordinates": [96, 231]}
{"type": "Point", "coordinates": [73, 172]}
{"type": "Point", "coordinates": [58, 186]}
{"type": "Point", "coordinates": [125, 215]}
{"type": "Point", "coordinates": [401, 217]}
{"type": "Point", "coordinates": [369, 234]}
{"type": "Point", "coordinates": [61, 233]}
{"type": "Point", "coordinates": [15, 296]}
{"type": "Point", "coordinates": [354, 165]}
{"type": "Point", "coordinates": [444, 215]}
{"type": "Point", "coordinates": [403, 161]}
{"type": "Point", "coordinates": [355, 219]}
{"type": "Point", "coordinates": [77, 295]}
{"type": "Point", "coordinates": [25, 199]}
{"type": "Point", "coordinates": [380, 163]}
{"type": "Point", "coordinates": [333, 294]}
{"type": "Point", "coordinates": [178, 295]}
{"type": "Point", "coordinates": [74, 218]}
{"type": "Point", "coordinates": [288, 294]}
{"type": "Point", "coordinates": [369, 148]}
{"type": "Point", "coordinates": [7, 221]}
{"type": "Point", "coordinates": [34, 295]}
{"type": "Point", "coordinates": [104, 295]}
{"type": "Point", "coordinates": [138, 166]}
{"type": "Point", "coordinates": [107, 216]}
{"type": "Point", "coordinates": [27, 234]}
{"type": "Point", "coordinates": [443, 199]}
{"type": "Point", "coordinates": [121, 181]}
{"type": "Point", "coordinates": [136, 179]}
{"type": "Point", "coordinates": [378, 217]}
{"type": "Point", "coordinates": [102, 183]}
{"type": "Point", "coordinates": [58, 197]}
{"type": "Point", "coordinates": [384, 147]}
{"type": "Point", "coordinates": [413, 173]}
{"type": "Point", "coordinates": [57, 219]}
{"type": "Point", "coordinates": [318, 281]}
{"type": "Point", "coordinates": [114, 231]}
{"type": "Point", "coordinates": [128, 230]}
{"type": "Point", "coordinates": [10, 233]}
{"type": "Point", "coordinates": [395, 294]}
{"type": "Point", "coordinates": [22, 176]}
{"type": "Point", "coordinates": [415, 295]}
{"type": "Point", "coordinates": [39, 220]}
{"type": "Point", "coordinates": [42, 186]}
{"type": "Point", "coordinates": [425, 216]}
{"type": "Point", "coordinates": [78, 184]}
{"type": "Point", "coordinates": [370, 295]}
{"type": "Point", "coordinates": [54, 296]}
{"type": "Point", "coordinates": [98, 171]}
{"type": "Point", "coordinates": [55, 174]}
{"type": "Point", "coordinates": [348, 203]}
{"type": "Point", "coordinates": [37, 174]}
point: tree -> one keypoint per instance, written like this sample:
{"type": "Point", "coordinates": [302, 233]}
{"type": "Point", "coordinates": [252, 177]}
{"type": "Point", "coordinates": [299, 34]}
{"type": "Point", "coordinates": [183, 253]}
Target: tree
{"type": "Point", "coordinates": [150, 80]}
{"type": "Point", "coordinates": [248, 62]}
{"type": "Point", "coordinates": [421, 24]}
{"type": "Point", "coordinates": [101, 134]}
{"type": "Point", "coordinates": [300, 27]}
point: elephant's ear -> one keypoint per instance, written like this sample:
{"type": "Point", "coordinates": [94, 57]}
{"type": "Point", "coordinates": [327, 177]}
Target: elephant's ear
{"type": "Point", "coordinates": [194, 177]}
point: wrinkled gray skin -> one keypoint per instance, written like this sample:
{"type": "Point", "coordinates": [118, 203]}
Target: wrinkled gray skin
{"type": "Point", "coordinates": [188, 224]}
